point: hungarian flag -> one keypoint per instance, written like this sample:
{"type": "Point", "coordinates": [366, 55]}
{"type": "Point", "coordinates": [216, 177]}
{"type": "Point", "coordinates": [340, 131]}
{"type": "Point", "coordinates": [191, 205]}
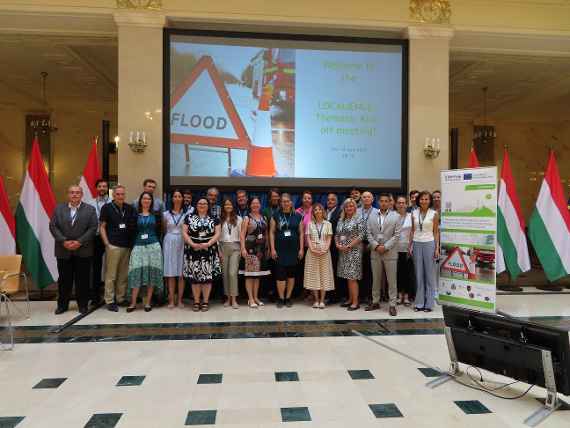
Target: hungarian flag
{"type": "Point", "coordinates": [473, 161]}
{"type": "Point", "coordinates": [549, 227]}
{"type": "Point", "coordinates": [512, 248]}
{"type": "Point", "coordinates": [91, 174]}
{"type": "Point", "coordinates": [7, 224]}
{"type": "Point", "coordinates": [37, 204]}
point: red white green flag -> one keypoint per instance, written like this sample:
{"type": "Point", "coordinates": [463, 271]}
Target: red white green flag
{"type": "Point", "coordinates": [549, 227]}
{"type": "Point", "coordinates": [37, 204]}
{"type": "Point", "coordinates": [7, 224]}
{"type": "Point", "coordinates": [512, 247]}
{"type": "Point", "coordinates": [473, 160]}
{"type": "Point", "coordinates": [91, 174]}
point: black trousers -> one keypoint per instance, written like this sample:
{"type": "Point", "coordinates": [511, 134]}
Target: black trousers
{"type": "Point", "coordinates": [365, 284]}
{"type": "Point", "coordinates": [73, 271]}
{"type": "Point", "coordinates": [96, 280]}
{"type": "Point", "coordinates": [406, 275]}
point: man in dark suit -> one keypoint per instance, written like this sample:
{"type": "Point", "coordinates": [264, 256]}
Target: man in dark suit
{"type": "Point", "coordinates": [73, 227]}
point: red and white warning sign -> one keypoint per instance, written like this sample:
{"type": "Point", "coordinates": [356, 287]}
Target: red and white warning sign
{"type": "Point", "coordinates": [202, 111]}
{"type": "Point", "coordinates": [456, 262]}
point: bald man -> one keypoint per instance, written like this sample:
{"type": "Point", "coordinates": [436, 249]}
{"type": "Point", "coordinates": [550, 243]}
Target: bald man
{"type": "Point", "coordinates": [73, 226]}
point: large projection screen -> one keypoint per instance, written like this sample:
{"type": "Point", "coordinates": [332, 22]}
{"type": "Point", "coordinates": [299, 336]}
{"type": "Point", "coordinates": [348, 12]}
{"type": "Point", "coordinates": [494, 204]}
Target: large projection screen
{"type": "Point", "coordinates": [252, 110]}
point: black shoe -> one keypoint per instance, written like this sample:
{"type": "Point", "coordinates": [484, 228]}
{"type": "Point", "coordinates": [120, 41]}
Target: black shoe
{"type": "Point", "coordinates": [60, 311]}
{"type": "Point", "coordinates": [353, 308]}
{"type": "Point", "coordinates": [83, 310]}
{"type": "Point", "coordinates": [280, 303]}
{"type": "Point", "coordinates": [288, 303]}
{"type": "Point", "coordinates": [131, 308]}
{"type": "Point", "coordinates": [112, 307]}
{"type": "Point", "coordinates": [345, 305]}
{"type": "Point", "coordinates": [372, 307]}
{"type": "Point", "coordinates": [149, 308]}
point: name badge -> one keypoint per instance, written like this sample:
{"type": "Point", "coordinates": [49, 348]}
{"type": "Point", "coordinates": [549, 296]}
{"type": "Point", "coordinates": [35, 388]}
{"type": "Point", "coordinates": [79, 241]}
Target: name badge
{"type": "Point", "coordinates": [343, 237]}
{"type": "Point", "coordinates": [122, 226]}
{"type": "Point", "coordinates": [144, 236]}
{"type": "Point", "coordinates": [287, 233]}
{"type": "Point", "coordinates": [201, 234]}
{"type": "Point", "coordinates": [260, 236]}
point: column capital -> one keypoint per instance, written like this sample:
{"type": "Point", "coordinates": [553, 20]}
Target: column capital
{"type": "Point", "coordinates": [132, 18]}
{"type": "Point", "coordinates": [428, 32]}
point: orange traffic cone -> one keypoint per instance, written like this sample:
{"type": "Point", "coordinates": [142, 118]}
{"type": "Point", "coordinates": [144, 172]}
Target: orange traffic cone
{"type": "Point", "coordinates": [260, 161]}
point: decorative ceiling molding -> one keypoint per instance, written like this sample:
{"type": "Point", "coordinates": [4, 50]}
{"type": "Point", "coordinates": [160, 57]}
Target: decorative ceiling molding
{"type": "Point", "coordinates": [428, 32]}
{"type": "Point", "coordinates": [140, 4]}
{"type": "Point", "coordinates": [430, 11]}
{"type": "Point", "coordinates": [135, 18]}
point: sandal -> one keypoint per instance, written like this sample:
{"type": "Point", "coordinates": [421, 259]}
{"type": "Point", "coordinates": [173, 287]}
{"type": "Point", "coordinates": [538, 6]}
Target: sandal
{"type": "Point", "coordinates": [196, 307]}
{"type": "Point", "coordinates": [205, 307]}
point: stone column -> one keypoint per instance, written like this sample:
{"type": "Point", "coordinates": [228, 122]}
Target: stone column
{"type": "Point", "coordinates": [140, 97]}
{"type": "Point", "coordinates": [428, 103]}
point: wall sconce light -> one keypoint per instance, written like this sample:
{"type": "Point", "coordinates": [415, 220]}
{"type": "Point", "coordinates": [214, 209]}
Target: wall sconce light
{"type": "Point", "coordinates": [114, 145]}
{"type": "Point", "coordinates": [137, 141]}
{"type": "Point", "coordinates": [431, 148]}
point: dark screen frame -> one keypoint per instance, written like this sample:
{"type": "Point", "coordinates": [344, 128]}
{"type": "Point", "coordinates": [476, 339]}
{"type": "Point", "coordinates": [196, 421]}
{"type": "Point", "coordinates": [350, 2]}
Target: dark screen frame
{"type": "Point", "coordinates": [403, 43]}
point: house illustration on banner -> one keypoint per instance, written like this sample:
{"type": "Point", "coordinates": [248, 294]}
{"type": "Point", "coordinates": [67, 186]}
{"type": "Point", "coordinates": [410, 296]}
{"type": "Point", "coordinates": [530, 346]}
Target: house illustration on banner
{"type": "Point", "coordinates": [457, 264]}
{"type": "Point", "coordinates": [203, 113]}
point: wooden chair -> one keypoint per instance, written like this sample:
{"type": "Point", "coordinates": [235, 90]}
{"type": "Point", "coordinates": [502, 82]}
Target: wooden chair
{"type": "Point", "coordinates": [10, 285]}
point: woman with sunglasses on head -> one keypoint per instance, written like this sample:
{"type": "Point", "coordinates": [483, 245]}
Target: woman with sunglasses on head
{"type": "Point", "coordinates": [424, 248]}
{"type": "Point", "coordinates": [201, 232]}
{"type": "Point", "coordinates": [145, 263]}
{"type": "Point", "coordinates": [230, 251]}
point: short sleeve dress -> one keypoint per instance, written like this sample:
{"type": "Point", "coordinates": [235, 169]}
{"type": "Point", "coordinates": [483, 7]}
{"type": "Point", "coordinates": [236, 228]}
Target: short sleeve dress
{"type": "Point", "coordinates": [201, 266]}
{"type": "Point", "coordinates": [287, 237]}
{"type": "Point", "coordinates": [318, 268]}
{"type": "Point", "coordinates": [145, 262]}
{"type": "Point", "coordinates": [173, 244]}
{"type": "Point", "coordinates": [350, 262]}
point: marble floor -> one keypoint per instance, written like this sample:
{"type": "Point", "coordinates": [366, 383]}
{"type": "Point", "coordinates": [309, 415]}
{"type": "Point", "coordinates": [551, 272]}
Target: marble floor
{"type": "Point", "coordinates": [252, 368]}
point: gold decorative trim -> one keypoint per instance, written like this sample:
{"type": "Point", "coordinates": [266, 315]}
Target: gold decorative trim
{"type": "Point", "coordinates": [431, 11]}
{"type": "Point", "coordinates": [140, 4]}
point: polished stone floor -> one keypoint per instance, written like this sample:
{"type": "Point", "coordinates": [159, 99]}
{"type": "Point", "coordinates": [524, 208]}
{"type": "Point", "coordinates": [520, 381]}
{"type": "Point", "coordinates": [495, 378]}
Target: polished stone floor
{"type": "Point", "coordinates": [252, 368]}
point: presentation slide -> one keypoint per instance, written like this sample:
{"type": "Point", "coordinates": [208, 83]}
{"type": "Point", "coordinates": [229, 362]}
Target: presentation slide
{"type": "Point", "coordinates": [257, 112]}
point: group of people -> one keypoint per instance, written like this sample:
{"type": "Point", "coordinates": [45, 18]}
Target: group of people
{"type": "Point", "coordinates": [352, 251]}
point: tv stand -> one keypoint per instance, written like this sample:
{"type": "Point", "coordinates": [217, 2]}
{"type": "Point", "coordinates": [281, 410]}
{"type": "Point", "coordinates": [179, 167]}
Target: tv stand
{"type": "Point", "coordinates": [454, 366]}
{"type": "Point", "coordinates": [552, 401]}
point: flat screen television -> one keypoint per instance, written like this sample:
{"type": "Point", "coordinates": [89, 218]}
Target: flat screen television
{"type": "Point", "coordinates": [509, 347]}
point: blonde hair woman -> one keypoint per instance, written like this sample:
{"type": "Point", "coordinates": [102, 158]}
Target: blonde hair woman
{"type": "Point", "coordinates": [350, 232]}
{"type": "Point", "coordinates": [319, 276]}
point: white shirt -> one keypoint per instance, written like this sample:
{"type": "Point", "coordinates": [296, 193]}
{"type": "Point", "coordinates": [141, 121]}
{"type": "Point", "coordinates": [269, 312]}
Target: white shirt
{"type": "Point", "coordinates": [98, 204]}
{"type": "Point", "coordinates": [73, 212]}
{"type": "Point", "coordinates": [423, 226]}
{"type": "Point", "coordinates": [405, 233]}
{"type": "Point", "coordinates": [230, 233]}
